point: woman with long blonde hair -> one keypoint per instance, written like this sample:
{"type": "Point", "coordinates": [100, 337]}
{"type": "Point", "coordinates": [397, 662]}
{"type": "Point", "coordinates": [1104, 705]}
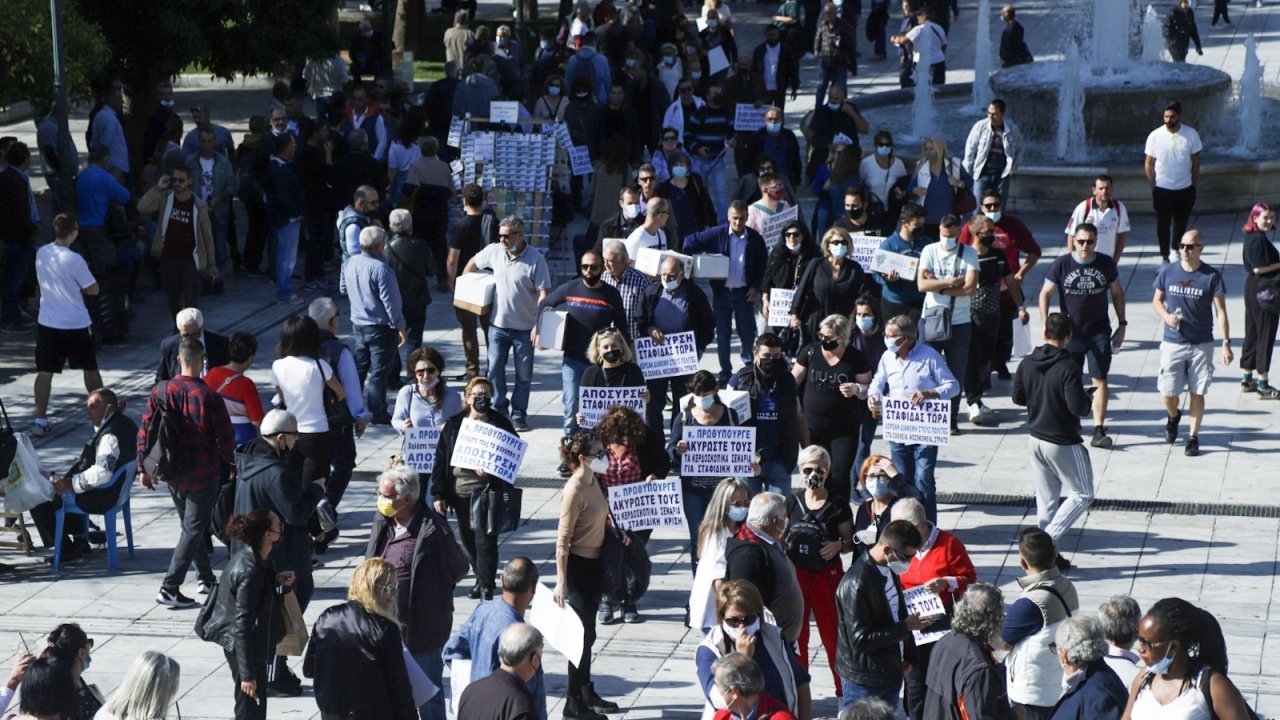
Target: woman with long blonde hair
{"type": "Point", "coordinates": [936, 181]}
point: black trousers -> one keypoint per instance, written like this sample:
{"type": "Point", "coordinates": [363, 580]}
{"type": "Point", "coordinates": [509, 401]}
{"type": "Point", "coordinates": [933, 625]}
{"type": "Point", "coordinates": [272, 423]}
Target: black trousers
{"type": "Point", "coordinates": [583, 595]}
{"type": "Point", "coordinates": [1259, 331]}
{"type": "Point", "coordinates": [1220, 11]}
{"type": "Point", "coordinates": [482, 547]}
{"type": "Point", "coordinates": [1173, 211]}
{"type": "Point", "coordinates": [246, 707]}
{"type": "Point", "coordinates": [654, 412]}
{"type": "Point", "coordinates": [181, 282]}
{"type": "Point", "coordinates": [311, 456]}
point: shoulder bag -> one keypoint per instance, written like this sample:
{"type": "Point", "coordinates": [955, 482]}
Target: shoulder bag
{"type": "Point", "coordinates": [336, 410]}
{"type": "Point", "coordinates": [935, 321]}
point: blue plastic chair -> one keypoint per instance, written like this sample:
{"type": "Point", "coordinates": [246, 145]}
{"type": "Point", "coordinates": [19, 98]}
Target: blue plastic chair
{"type": "Point", "coordinates": [124, 474]}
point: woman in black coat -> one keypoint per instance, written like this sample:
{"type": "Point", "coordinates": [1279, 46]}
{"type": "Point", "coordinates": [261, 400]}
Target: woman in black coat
{"type": "Point", "coordinates": [245, 617]}
{"type": "Point", "coordinates": [787, 261]}
{"type": "Point", "coordinates": [453, 487]}
{"type": "Point", "coordinates": [830, 285]}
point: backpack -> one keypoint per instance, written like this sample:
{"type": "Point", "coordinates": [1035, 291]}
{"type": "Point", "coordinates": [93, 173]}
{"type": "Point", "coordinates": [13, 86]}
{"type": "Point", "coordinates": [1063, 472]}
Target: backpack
{"type": "Point", "coordinates": [806, 536]}
{"type": "Point", "coordinates": [224, 506]}
{"type": "Point", "coordinates": [163, 457]}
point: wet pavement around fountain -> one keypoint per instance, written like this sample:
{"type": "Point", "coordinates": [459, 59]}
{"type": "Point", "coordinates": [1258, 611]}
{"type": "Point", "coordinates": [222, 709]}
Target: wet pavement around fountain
{"type": "Point", "coordinates": [1206, 529]}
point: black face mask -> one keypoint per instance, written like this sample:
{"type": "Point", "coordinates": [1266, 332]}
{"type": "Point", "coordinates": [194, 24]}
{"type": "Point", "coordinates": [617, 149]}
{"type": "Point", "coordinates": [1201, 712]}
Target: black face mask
{"type": "Point", "coordinates": [612, 356]}
{"type": "Point", "coordinates": [829, 343]}
{"type": "Point", "coordinates": [481, 404]}
{"type": "Point", "coordinates": [770, 365]}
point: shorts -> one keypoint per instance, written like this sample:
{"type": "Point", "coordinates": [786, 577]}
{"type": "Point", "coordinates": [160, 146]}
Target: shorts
{"type": "Point", "coordinates": [1187, 366]}
{"type": "Point", "coordinates": [55, 347]}
{"type": "Point", "coordinates": [1097, 348]}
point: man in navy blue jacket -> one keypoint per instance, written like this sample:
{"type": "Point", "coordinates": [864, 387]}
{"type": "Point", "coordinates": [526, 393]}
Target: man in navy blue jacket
{"type": "Point", "coordinates": [734, 297]}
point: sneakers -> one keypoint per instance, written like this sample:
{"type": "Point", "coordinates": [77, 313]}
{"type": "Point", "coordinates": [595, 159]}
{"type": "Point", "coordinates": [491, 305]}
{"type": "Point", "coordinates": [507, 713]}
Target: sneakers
{"type": "Point", "coordinates": [595, 702]}
{"type": "Point", "coordinates": [286, 683]}
{"type": "Point", "coordinates": [1248, 385]}
{"type": "Point", "coordinates": [204, 587]}
{"type": "Point", "coordinates": [174, 599]}
{"type": "Point", "coordinates": [606, 613]}
{"type": "Point", "coordinates": [1268, 393]}
{"type": "Point", "coordinates": [631, 616]}
{"type": "Point", "coordinates": [1171, 428]}
{"type": "Point", "coordinates": [1100, 438]}
{"type": "Point", "coordinates": [1193, 447]}
{"type": "Point", "coordinates": [291, 300]}
{"type": "Point", "coordinates": [42, 427]}
{"type": "Point", "coordinates": [976, 414]}
{"type": "Point", "coordinates": [16, 327]}
{"type": "Point", "coordinates": [520, 424]}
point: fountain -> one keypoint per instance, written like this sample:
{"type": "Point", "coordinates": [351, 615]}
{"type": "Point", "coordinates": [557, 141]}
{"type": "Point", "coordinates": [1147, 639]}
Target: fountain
{"type": "Point", "coordinates": [1250, 105]}
{"type": "Point", "coordinates": [1152, 36]}
{"type": "Point", "coordinates": [1071, 109]}
{"type": "Point", "coordinates": [983, 62]}
{"type": "Point", "coordinates": [1110, 48]}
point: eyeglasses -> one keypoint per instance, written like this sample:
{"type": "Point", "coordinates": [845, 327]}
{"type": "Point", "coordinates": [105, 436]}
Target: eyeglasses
{"type": "Point", "coordinates": [1053, 648]}
{"type": "Point", "coordinates": [1187, 247]}
{"type": "Point", "coordinates": [425, 371]}
{"type": "Point", "coordinates": [986, 237]}
{"type": "Point", "coordinates": [876, 476]}
{"type": "Point", "coordinates": [481, 396]}
{"type": "Point", "coordinates": [588, 266]}
{"type": "Point", "coordinates": [991, 206]}
{"type": "Point", "coordinates": [504, 236]}
{"type": "Point", "coordinates": [1086, 241]}
{"type": "Point", "coordinates": [669, 138]}
{"type": "Point", "coordinates": [888, 145]}
{"type": "Point", "coordinates": [837, 242]}
{"type": "Point", "coordinates": [1146, 645]}
{"type": "Point", "coordinates": [766, 169]}
{"type": "Point", "coordinates": [793, 233]}
{"type": "Point", "coordinates": [740, 620]}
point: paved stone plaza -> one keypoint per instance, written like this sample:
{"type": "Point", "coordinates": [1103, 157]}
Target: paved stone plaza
{"type": "Point", "coordinates": [1206, 529]}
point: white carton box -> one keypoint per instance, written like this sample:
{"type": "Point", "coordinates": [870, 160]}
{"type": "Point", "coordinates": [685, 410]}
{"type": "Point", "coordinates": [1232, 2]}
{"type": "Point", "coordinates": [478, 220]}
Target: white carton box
{"type": "Point", "coordinates": [737, 400]}
{"type": "Point", "coordinates": [649, 260]}
{"type": "Point", "coordinates": [551, 328]}
{"type": "Point", "coordinates": [473, 292]}
{"type": "Point", "coordinates": [711, 267]}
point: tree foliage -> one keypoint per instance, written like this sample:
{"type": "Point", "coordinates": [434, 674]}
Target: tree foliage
{"type": "Point", "coordinates": [26, 51]}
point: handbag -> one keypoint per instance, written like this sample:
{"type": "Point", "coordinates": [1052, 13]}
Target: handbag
{"type": "Point", "coordinates": [962, 200]}
{"type": "Point", "coordinates": [336, 410]}
{"type": "Point", "coordinates": [612, 561]}
{"type": "Point", "coordinates": [935, 321]}
{"type": "Point", "coordinates": [295, 628]}
{"type": "Point", "coordinates": [496, 510]}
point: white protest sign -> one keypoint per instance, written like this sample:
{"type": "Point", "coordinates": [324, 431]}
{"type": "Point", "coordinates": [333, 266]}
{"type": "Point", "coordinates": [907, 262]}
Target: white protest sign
{"type": "Point", "coordinates": [580, 160]}
{"type": "Point", "coordinates": [748, 117]}
{"type": "Point", "coordinates": [481, 446]}
{"type": "Point", "coordinates": [882, 261]}
{"type": "Point", "coordinates": [718, 451]}
{"type": "Point", "coordinates": [455, 132]}
{"type": "Point", "coordinates": [647, 505]}
{"type": "Point", "coordinates": [560, 626]}
{"type": "Point", "coordinates": [675, 357]}
{"type": "Point", "coordinates": [771, 228]}
{"type": "Point", "coordinates": [780, 306]}
{"type": "Point", "coordinates": [862, 248]}
{"type": "Point", "coordinates": [926, 424]}
{"type": "Point", "coordinates": [595, 402]}
{"type": "Point", "coordinates": [420, 448]}
{"type": "Point", "coordinates": [504, 111]}
{"type": "Point", "coordinates": [562, 137]}
{"type": "Point", "coordinates": [717, 60]}
{"type": "Point", "coordinates": [459, 679]}
{"type": "Point", "coordinates": [921, 601]}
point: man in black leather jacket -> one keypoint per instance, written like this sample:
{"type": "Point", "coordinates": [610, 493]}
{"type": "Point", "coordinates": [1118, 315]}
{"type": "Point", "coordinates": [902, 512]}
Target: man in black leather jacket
{"type": "Point", "coordinates": [875, 636]}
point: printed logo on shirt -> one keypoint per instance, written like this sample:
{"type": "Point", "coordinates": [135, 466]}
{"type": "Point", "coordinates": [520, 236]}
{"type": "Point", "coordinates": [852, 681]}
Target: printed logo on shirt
{"type": "Point", "coordinates": [1084, 281]}
{"type": "Point", "coordinates": [180, 215]}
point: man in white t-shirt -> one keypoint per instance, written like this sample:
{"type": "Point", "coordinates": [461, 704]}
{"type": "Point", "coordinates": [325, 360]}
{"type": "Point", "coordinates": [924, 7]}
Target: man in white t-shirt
{"type": "Point", "coordinates": [650, 234]}
{"type": "Point", "coordinates": [928, 46]}
{"type": "Point", "coordinates": [948, 275]}
{"type": "Point", "coordinates": [1105, 213]}
{"type": "Point", "coordinates": [1173, 171]}
{"type": "Point", "coordinates": [63, 333]}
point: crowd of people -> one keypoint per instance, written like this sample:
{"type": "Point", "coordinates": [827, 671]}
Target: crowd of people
{"type": "Point", "coordinates": [359, 204]}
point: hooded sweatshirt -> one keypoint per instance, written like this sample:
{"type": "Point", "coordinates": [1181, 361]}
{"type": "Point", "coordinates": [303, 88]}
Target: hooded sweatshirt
{"type": "Point", "coordinates": [267, 481]}
{"type": "Point", "coordinates": [1048, 384]}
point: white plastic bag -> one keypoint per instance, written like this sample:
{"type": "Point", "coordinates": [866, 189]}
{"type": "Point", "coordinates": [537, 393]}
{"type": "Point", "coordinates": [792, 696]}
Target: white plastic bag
{"type": "Point", "coordinates": [1022, 344]}
{"type": "Point", "coordinates": [26, 485]}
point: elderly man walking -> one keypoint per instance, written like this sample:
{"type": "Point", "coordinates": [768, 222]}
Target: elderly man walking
{"type": "Point", "coordinates": [757, 554]}
{"type": "Point", "coordinates": [377, 321]}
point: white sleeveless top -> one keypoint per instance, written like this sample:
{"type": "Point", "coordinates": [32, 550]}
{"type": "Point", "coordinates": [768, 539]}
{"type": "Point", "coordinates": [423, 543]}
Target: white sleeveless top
{"type": "Point", "coordinates": [1190, 705]}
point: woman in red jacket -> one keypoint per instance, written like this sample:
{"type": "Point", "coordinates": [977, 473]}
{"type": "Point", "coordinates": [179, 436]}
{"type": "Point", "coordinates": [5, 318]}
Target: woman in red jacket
{"type": "Point", "coordinates": [942, 565]}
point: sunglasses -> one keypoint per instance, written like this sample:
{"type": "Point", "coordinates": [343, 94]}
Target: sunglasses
{"type": "Point", "coordinates": [586, 266]}
{"type": "Point", "coordinates": [1082, 241]}
{"type": "Point", "coordinates": [425, 371]}
{"type": "Point", "coordinates": [669, 138]}
{"type": "Point", "coordinates": [740, 621]}
{"type": "Point", "coordinates": [1147, 645]}
{"type": "Point", "coordinates": [991, 206]}
{"type": "Point", "coordinates": [837, 242]}
{"type": "Point", "coordinates": [793, 233]}
{"type": "Point", "coordinates": [811, 471]}
{"type": "Point", "coordinates": [1185, 246]}
{"type": "Point", "coordinates": [645, 179]}
{"type": "Point", "coordinates": [888, 145]}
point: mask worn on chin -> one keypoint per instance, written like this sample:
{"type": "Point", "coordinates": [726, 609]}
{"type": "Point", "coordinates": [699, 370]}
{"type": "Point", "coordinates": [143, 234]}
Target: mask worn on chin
{"type": "Point", "coordinates": [829, 344]}
{"type": "Point", "coordinates": [706, 402]}
{"type": "Point", "coordinates": [581, 95]}
{"type": "Point", "coordinates": [554, 91]}
{"type": "Point", "coordinates": [899, 567]}
{"type": "Point", "coordinates": [994, 216]}
{"type": "Point", "coordinates": [612, 356]}
{"type": "Point", "coordinates": [679, 171]}
{"type": "Point", "coordinates": [386, 507]}
{"type": "Point", "coordinates": [778, 194]}
{"type": "Point", "coordinates": [773, 128]}
{"type": "Point", "coordinates": [631, 211]}
{"type": "Point", "coordinates": [866, 324]}
{"type": "Point", "coordinates": [598, 464]}
{"type": "Point", "coordinates": [883, 151]}
{"type": "Point", "coordinates": [433, 383]}
{"type": "Point", "coordinates": [481, 404]}
{"type": "Point", "coordinates": [793, 248]}
{"type": "Point", "coordinates": [1162, 665]}
{"type": "Point", "coordinates": [839, 251]}
{"type": "Point", "coordinates": [670, 285]}
{"type": "Point", "coordinates": [738, 514]}
{"type": "Point", "coordinates": [948, 243]}
{"type": "Point", "coordinates": [866, 537]}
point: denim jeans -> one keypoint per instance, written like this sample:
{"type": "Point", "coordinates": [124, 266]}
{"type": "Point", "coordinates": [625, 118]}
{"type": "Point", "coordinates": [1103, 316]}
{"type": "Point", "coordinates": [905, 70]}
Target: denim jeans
{"type": "Point", "coordinates": [195, 510]}
{"type": "Point", "coordinates": [730, 305]}
{"type": "Point", "coordinates": [774, 477]}
{"type": "Point", "coordinates": [956, 351]}
{"type": "Point", "coordinates": [432, 663]}
{"type": "Point", "coordinates": [712, 173]}
{"type": "Point", "coordinates": [571, 372]}
{"type": "Point", "coordinates": [980, 185]}
{"type": "Point", "coordinates": [374, 346]}
{"type": "Point", "coordinates": [220, 221]}
{"type": "Point", "coordinates": [501, 342]}
{"type": "Point", "coordinates": [696, 500]}
{"type": "Point", "coordinates": [17, 259]}
{"type": "Point", "coordinates": [286, 245]}
{"type": "Point", "coordinates": [852, 693]}
{"type": "Point", "coordinates": [917, 461]}
{"type": "Point", "coordinates": [829, 74]}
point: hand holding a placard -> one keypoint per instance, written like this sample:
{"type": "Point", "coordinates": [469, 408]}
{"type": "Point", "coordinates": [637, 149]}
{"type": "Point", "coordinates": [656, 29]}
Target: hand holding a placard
{"type": "Point", "coordinates": [915, 622]}
{"type": "Point", "coordinates": [918, 397]}
{"type": "Point", "coordinates": [938, 586]}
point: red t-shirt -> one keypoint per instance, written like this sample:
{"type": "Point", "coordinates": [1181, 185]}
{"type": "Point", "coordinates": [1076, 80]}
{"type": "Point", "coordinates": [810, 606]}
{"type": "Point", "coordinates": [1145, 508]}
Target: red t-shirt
{"type": "Point", "coordinates": [1012, 237]}
{"type": "Point", "coordinates": [244, 405]}
{"type": "Point", "coordinates": [180, 232]}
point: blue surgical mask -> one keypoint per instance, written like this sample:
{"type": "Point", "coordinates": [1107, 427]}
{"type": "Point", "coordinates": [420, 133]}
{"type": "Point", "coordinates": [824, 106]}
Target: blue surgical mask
{"type": "Point", "coordinates": [696, 75]}
{"type": "Point", "coordinates": [1160, 667]}
{"type": "Point", "coordinates": [631, 62]}
{"type": "Point", "coordinates": [884, 150]}
{"type": "Point", "coordinates": [891, 343]}
{"type": "Point", "coordinates": [866, 324]}
{"type": "Point", "coordinates": [631, 211]}
{"type": "Point", "coordinates": [738, 514]}
{"type": "Point", "coordinates": [670, 285]}
{"type": "Point", "coordinates": [834, 105]}
{"type": "Point", "coordinates": [706, 402]}
{"type": "Point", "coordinates": [88, 660]}
{"type": "Point", "coordinates": [948, 243]}
{"type": "Point", "coordinates": [712, 22]}
{"type": "Point", "coordinates": [668, 60]}
{"type": "Point", "coordinates": [773, 128]}
{"type": "Point", "coordinates": [679, 171]}
{"type": "Point", "coordinates": [554, 91]}
{"type": "Point", "coordinates": [838, 251]}
{"type": "Point", "coordinates": [544, 45]}
{"type": "Point", "coordinates": [877, 486]}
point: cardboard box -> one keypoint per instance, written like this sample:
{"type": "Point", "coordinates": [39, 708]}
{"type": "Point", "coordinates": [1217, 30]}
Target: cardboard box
{"type": "Point", "coordinates": [649, 261]}
{"type": "Point", "coordinates": [473, 292]}
{"type": "Point", "coordinates": [711, 267]}
{"type": "Point", "coordinates": [737, 400]}
{"type": "Point", "coordinates": [551, 328]}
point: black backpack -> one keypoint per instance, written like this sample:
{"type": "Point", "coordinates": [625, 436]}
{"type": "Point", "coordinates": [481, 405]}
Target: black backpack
{"type": "Point", "coordinates": [223, 508]}
{"type": "Point", "coordinates": [806, 536]}
{"type": "Point", "coordinates": [163, 457]}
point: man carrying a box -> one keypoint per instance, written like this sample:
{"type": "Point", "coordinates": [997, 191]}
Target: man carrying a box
{"type": "Point", "coordinates": [521, 281]}
{"type": "Point", "coordinates": [673, 305]}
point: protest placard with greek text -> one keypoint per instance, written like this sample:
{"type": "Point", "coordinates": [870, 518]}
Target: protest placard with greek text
{"type": "Point", "coordinates": [928, 423]}
{"type": "Point", "coordinates": [718, 451]}
{"type": "Point", "coordinates": [595, 402]}
{"type": "Point", "coordinates": [420, 448]}
{"type": "Point", "coordinates": [675, 357]}
{"type": "Point", "coordinates": [647, 505]}
{"type": "Point", "coordinates": [482, 446]}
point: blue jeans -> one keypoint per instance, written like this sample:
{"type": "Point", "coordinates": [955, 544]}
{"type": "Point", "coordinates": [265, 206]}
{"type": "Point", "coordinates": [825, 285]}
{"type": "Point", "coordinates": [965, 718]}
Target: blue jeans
{"type": "Point", "coordinates": [917, 461]}
{"type": "Point", "coordinates": [728, 306]}
{"type": "Point", "coordinates": [852, 693]}
{"type": "Point", "coordinates": [374, 346]}
{"type": "Point", "coordinates": [774, 477]}
{"type": "Point", "coordinates": [956, 351]}
{"type": "Point", "coordinates": [829, 74]}
{"type": "Point", "coordinates": [712, 173]}
{"type": "Point", "coordinates": [696, 500]}
{"type": "Point", "coordinates": [571, 372]}
{"type": "Point", "coordinates": [432, 663]}
{"type": "Point", "coordinates": [220, 221]}
{"type": "Point", "coordinates": [286, 246]}
{"type": "Point", "coordinates": [981, 184]}
{"type": "Point", "coordinates": [17, 258]}
{"type": "Point", "coordinates": [501, 342]}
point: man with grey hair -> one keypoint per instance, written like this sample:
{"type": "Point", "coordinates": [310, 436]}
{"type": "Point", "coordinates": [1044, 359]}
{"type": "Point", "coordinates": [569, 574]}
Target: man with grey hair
{"type": "Point", "coordinates": [741, 683]}
{"type": "Point", "coordinates": [869, 708]}
{"type": "Point", "coordinates": [1119, 618]}
{"type": "Point", "coordinates": [411, 535]}
{"type": "Point", "coordinates": [915, 372]}
{"type": "Point", "coordinates": [962, 673]}
{"type": "Point", "coordinates": [521, 281]}
{"type": "Point", "coordinates": [674, 304]}
{"type": "Point", "coordinates": [377, 321]}
{"type": "Point", "coordinates": [411, 260]}
{"type": "Point", "coordinates": [354, 218]}
{"type": "Point", "coordinates": [335, 352]}
{"type": "Point", "coordinates": [190, 323]}
{"type": "Point", "coordinates": [1093, 690]}
{"type": "Point", "coordinates": [629, 282]}
{"type": "Point", "coordinates": [757, 554]}
{"type": "Point", "coordinates": [505, 695]}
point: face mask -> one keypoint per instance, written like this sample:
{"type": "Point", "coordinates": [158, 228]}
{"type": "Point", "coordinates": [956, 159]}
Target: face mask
{"type": "Point", "coordinates": [793, 248]}
{"type": "Point", "coordinates": [838, 251]}
{"type": "Point", "coordinates": [679, 171]}
{"type": "Point", "coordinates": [668, 60]}
{"type": "Point", "coordinates": [829, 343]}
{"type": "Point", "coordinates": [891, 343]}
{"type": "Point", "coordinates": [993, 216]}
{"type": "Point", "coordinates": [771, 365]}
{"type": "Point", "coordinates": [706, 402]}
{"type": "Point", "coordinates": [544, 45]}
{"type": "Point", "coordinates": [504, 42]}
{"type": "Point", "coordinates": [369, 34]}
{"type": "Point", "coordinates": [948, 243]}
{"type": "Point", "coordinates": [738, 514]}
{"type": "Point", "coordinates": [581, 96]}
{"type": "Point", "coordinates": [481, 404]}
{"type": "Point", "coordinates": [386, 506]}
{"type": "Point", "coordinates": [772, 43]}
{"type": "Point", "coordinates": [554, 91]}
{"type": "Point", "coordinates": [884, 151]}
{"type": "Point", "coordinates": [711, 23]}
{"type": "Point", "coordinates": [88, 660]}
{"type": "Point", "coordinates": [1162, 666]}
{"type": "Point", "coordinates": [773, 128]}
{"type": "Point", "coordinates": [713, 100]}
{"type": "Point", "coordinates": [815, 480]}
{"type": "Point", "coordinates": [736, 632]}
{"type": "Point", "coordinates": [778, 194]}
{"type": "Point", "coordinates": [899, 567]}
{"type": "Point", "coordinates": [166, 103]}
{"type": "Point", "coordinates": [866, 537]}
{"type": "Point", "coordinates": [612, 356]}
{"type": "Point", "coordinates": [834, 105]}
{"type": "Point", "coordinates": [429, 385]}
{"type": "Point", "coordinates": [866, 324]}
{"type": "Point", "coordinates": [878, 487]}
{"type": "Point", "coordinates": [696, 74]}
{"type": "Point", "coordinates": [631, 211]}
{"type": "Point", "coordinates": [670, 285]}
{"type": "Point", "coordinates": [598, 464]}
{"type": "Point", "coordinates": [631, 62]}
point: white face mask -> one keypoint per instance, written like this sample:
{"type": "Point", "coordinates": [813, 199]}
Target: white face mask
{"type": "Point", "coordinates": [993, 216]}
{"type": "Point", "coordinates": [736, 632]}
{"type": "Point", "coordinates": [948, 243]}
{"type": "Point", "coordinates": [793, 248]}
{"type": "Point", "coordinates": [670, 285]}
{"type": "Point", "coordinates": [706, 402]}
{"type": "Point", "coordinates": [631, 211]}
{"type": "Point", "coordinates": [839, 251]}
{"type": "Point", "coordinates": [598, 464]}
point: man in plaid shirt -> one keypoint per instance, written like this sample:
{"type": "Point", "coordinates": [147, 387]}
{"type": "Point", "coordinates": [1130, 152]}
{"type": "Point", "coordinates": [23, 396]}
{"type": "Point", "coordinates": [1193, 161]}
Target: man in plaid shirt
{"type": "Point", "coordinates": [208, 448]}
{"type": "Point", "coordinates": [630, 282]}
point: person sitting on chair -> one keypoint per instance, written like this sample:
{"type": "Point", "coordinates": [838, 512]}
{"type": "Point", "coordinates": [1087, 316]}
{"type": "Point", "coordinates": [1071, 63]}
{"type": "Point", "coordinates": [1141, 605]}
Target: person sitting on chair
{"type": "Point", "coordinates": [112, 447]}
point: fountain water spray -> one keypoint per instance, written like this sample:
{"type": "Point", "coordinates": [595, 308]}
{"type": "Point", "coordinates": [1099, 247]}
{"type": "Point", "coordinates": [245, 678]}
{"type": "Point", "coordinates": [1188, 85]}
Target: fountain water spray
{"type": "Point", "coordinates": [1250, 103]}
{"type": "Point", "coordinates": [1071, 136]}
{"type": "Point", "coordinates": [983, 61]}
{"type": "Point", "coordinates": [1152, 36]}
{"type": "Point", "coordinates": [1110, 51]}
